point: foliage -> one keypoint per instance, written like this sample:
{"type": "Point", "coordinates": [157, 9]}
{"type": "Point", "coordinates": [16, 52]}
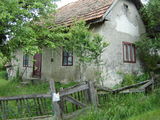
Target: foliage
{"type": "Point", "coordinates": [30, 26]}
{"type": "Point", "coordinates": [16, 13]}
{"type": "Point", "coordinates": [151, 12]}
{"type": "Point", "coordinates": [122, 107]}
{"type": "Point", "coordinates": [129, 79]}
{"type": "Point", "coordinates": [148, 50]}
{"type": "Point", "coordinates": [77, 38]}
{"type": "Point", "coordinates": [149, 44]}
{"type": "Point", "coordinates": [3, 60]}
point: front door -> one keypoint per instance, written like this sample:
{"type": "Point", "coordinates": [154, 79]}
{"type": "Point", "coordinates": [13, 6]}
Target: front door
{"type": "Point", "coordinates": [37, 65]}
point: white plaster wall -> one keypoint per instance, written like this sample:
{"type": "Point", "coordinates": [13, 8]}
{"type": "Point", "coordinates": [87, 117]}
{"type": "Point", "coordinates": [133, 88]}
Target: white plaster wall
{"type": "Point", "coordinates": [55, 69]}
{"type": "Point", "coordinates": [121, 26]}
{"type": "Point", "coordinates": [49, 70]}
{"type": "Point", "coordinates": [17, 63]}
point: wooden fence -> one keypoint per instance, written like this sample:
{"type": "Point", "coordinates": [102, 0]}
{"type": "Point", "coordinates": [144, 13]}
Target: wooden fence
{"type": "Point", "coordinates": [25, 106]}
{"type": "Point", "coordinates": [73, 100]}
{"type": "Point", "coordinates": [144, 86]}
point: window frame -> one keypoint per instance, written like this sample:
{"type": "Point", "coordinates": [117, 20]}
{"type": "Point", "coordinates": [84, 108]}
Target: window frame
{"type": "Point", "coordinates": [129, 53]}
{"type": "Point", "coordinates": [25, 60]}
{"type": "Point", "coordinates": [67, 57]}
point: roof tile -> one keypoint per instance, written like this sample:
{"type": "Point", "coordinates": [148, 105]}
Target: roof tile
{"type": "Point", "coordinates": [82, 9]}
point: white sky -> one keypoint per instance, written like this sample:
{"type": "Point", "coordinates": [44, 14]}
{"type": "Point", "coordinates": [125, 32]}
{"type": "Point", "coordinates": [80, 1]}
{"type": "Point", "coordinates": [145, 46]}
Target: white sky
{"type": "Point", "coordinates": [144, 1]}
{"type": "Point", "coordinates": [63, 2]}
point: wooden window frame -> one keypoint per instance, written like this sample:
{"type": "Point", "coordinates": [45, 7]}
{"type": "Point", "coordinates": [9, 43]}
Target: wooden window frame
{"type": "Point", "coordinates": [131, 55]}
{"type": "Point", "coordinates": [25, 60]}
{"type": "Point", "coordinates": [67, 57]}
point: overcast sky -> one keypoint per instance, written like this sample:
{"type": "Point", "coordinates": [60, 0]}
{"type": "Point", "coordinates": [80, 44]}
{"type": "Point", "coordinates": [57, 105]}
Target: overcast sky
{"type": "Point", "coordinates": [64, 2]}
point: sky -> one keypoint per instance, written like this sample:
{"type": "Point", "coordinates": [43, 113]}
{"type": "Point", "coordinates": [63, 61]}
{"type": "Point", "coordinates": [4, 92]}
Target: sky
{"type": "Point", "coordinates": [145, 1]}
{"type": "Point", "coordinates": [64, 2]}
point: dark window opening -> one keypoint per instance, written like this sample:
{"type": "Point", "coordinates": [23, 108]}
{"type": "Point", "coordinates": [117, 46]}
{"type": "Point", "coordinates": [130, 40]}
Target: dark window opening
{"type": "Point", "coordinates": [25, 60]}
{"type": "Point", "coordinates": [129, 52]}
{"type": "Point", "coordinates": [67, 58]}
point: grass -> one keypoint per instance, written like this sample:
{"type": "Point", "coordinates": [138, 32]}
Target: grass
{"type": "Point", "coordinates": [125, 107]}
{"type": "Point", "coordinates": [151, 115]}
{"type": "Point", "coordinates": [12, 88]}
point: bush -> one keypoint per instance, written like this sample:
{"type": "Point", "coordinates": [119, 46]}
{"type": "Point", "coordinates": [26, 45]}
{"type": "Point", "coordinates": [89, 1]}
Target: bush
{"type": "Point", "coordinates": [129, 79]}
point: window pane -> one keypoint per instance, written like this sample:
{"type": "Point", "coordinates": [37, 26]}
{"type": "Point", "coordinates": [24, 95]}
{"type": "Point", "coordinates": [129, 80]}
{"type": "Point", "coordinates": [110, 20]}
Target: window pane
{"type": "Point", "coordinates": [133, 54]}
{"type": "Point", "coordinates": [125, 58]}
{"type": "Point", "coordinates": [65, 53]}
{"type": "Point", "coordinates": [129, 53]}
{"type": "Point", "coordinates": [70, 54]}
{"type": "Point", "coordinates": [67, 58]}
{"type": "Point", "coordinates": [25, 60]}
{"type": "Point", "coordinates": [65, 61]}
{"type": "Point", "coordinates": [70, 61]}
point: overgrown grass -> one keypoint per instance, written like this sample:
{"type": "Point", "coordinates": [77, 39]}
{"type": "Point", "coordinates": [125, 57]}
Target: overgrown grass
{"type": "Point", "coordinates": [151, 115]}
{"type": "Point", "coordinates": [13, 88]}
{"type": "Point", "coordinates": [123, 107]}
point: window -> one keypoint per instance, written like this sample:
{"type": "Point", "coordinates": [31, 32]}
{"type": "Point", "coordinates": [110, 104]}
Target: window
{"type": "Point", "coordinates": [129, 52]}
{"type": "Point", "coordinates": [67, 58]}
{"type": "Point", "coordinates": [25, 60]}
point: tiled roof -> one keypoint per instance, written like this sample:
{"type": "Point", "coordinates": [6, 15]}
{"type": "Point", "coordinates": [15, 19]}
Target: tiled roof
{"type": "Point", "coordinates": [82, 9]}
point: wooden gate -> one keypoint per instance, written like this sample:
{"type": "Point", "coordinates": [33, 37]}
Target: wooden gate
{"type": "Point", "coordinates": [75, 99]}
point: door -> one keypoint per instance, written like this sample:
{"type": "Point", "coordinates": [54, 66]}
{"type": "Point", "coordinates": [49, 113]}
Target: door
{"type": "Point", "coordinates": [37, 65]}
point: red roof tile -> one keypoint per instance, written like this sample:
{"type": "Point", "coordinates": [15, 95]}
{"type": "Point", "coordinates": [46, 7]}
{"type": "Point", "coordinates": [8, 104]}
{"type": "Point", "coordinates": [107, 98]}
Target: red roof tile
{"type": "Point", "coordinates": [82, 9]}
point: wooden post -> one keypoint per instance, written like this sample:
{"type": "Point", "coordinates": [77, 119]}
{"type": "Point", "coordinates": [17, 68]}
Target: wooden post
{"type": "Point", "coordinates": [152, 79]}
{"type": "Point", "coordinates": [92, 93]}
{"type": "Point", "coordinates": [56, 107]}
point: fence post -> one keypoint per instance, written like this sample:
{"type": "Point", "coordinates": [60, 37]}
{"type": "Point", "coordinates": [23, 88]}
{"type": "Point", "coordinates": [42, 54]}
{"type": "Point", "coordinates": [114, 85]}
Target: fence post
{"type": "Point", "coordinates": [92, 93]}
{"type": "Point", "coordinates": [56, 107]}
{"type": "Point", "coordinates": [152, 79]}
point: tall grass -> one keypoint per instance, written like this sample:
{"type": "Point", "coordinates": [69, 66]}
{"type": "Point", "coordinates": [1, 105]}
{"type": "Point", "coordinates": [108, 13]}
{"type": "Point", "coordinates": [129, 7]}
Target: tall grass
{"type": "Point", "coordinates": [15, 88]}
{"type": "Point", "coordinates": [151, 115]}
{"type": "Point", "coordinates": [122, 107]}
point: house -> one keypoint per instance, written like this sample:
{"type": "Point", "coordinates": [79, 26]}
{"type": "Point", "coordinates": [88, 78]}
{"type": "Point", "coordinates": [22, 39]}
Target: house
{"type": "Point", "coordinates": [120, 24]}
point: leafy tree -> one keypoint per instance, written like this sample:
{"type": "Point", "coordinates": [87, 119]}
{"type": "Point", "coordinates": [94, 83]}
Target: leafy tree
{"type": "Point", "coordinates": [30, 26]}
{"type": "Point", "coordinates": [149, 44]}
{"type": "Point", "coordinates": [14, 14]}
{"type": "Point", "coordinates": [151, 13]}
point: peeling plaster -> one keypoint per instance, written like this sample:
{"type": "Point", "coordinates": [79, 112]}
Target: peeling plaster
{"type": "Point", "coordinates": [125, 26]}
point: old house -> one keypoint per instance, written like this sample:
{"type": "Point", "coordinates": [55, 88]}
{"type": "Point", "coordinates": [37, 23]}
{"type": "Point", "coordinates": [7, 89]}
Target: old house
{"type": "Point", "coordinates": [120, 24]}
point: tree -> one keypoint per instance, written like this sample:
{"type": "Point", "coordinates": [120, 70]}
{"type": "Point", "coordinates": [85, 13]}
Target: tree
{"type": "Point", "coordinates": [151, 13]}
{"type": "Point", "coordinates": [149, 44]}
{"type": "Point", "coordinates": [14, 15]}
{"type": "Point", "coordinates": [31, 26]}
